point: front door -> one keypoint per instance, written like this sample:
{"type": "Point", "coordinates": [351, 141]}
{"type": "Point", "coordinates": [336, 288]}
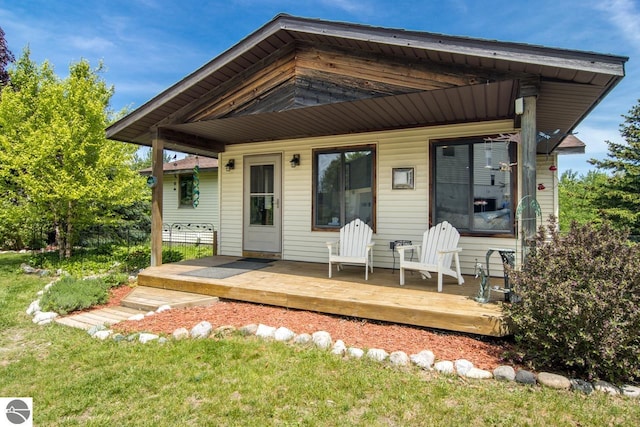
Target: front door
{"type": "Point", "coordinates": [262, 214]}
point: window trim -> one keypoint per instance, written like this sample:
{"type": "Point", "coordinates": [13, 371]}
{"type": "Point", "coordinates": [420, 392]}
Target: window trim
{"type": "Point", "coordinates": [513, 150]}
{"type": "Point", "coordinates": [314, 172]}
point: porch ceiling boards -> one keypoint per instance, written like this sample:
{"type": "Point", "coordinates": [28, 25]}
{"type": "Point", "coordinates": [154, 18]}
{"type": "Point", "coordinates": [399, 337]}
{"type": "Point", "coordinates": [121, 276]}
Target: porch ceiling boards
{"type": "Point", "coordinates": [305, 286]}
{"type": "Point", "coordinates": [367, 79]}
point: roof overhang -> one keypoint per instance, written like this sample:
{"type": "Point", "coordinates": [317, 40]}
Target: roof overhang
{"type": "Point", "coordinates": [569, 85]}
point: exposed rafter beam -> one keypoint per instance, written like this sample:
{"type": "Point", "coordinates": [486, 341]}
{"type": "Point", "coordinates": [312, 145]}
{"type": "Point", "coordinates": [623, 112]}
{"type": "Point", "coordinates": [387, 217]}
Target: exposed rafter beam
{"type": "Point", "coordinates": [190, 140]}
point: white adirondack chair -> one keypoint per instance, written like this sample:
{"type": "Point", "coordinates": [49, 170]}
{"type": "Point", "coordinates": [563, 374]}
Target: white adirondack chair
{"type": "Point", "coordinates": [438, 249]}
{"type": "Point", "coordinates": [354, 247]}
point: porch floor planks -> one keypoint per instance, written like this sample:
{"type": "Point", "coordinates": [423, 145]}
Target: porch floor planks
{"type": "Point", "coordinates": [305, 286]}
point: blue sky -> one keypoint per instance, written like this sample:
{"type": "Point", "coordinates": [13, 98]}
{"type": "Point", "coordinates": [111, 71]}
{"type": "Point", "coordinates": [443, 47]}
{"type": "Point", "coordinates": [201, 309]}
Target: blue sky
{"type": "Point", "coordinates": [148, 45]}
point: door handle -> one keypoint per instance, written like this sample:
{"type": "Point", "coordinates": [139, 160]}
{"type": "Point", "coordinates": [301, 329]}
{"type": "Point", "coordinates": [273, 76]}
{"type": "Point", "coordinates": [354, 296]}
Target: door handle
{"type": "Point", "coordinates": [277, 203]}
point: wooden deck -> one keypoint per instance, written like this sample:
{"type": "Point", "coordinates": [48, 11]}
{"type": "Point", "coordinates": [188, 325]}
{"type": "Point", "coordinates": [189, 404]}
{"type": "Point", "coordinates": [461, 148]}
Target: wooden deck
{"type": "Point", "coordinates": [306, 286]}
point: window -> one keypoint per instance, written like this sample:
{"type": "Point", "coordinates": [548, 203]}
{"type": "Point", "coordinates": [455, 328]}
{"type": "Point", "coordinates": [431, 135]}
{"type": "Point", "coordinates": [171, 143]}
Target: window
{"type": "Point", "coordinates": [262, 195]}
{"type": "Point", "coordinates": [343, 186]}
{"type": "Point", "coordinates": [474, 185]}
{"type": "Point", "coordinates": [186, 191]}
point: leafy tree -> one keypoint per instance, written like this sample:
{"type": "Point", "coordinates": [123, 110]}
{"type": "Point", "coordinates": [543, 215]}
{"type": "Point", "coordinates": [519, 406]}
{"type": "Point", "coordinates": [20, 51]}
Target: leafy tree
{"type": "Point", "coordinates": [618, 201]}
{"type": "Point", "coordinates": [6, 58]}
{"type": "Point", "coordinates": [576, 195]}
{"type": "Point", "coordinates": [55, 164]}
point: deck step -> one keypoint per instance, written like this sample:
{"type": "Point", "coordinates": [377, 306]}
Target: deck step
{"type": "Point", "coordinates": [104, 316]}
{"type": "Point", "coordinates": [141, 299]}
{"type": "Point", "coordinates": [149, 299]}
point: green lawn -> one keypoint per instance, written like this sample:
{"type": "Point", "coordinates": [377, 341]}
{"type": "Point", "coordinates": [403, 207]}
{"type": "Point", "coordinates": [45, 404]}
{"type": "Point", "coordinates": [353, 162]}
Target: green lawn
{"type": "Point", "coordinates": [76, 380]}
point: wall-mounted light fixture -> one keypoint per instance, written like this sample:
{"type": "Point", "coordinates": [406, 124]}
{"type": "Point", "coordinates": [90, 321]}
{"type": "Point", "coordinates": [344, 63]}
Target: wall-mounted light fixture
{"type": "Point", "coordinates": [295, 160]}
{"type": "Point", "coordinates": [231, 165]}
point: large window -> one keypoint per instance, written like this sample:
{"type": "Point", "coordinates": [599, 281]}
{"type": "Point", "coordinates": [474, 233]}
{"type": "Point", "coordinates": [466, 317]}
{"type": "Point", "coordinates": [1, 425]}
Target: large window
{"type": "Point", "coordinates": [344, 186]}
{"type": "Point", "coordinates": [474, 185]}
{"type": "Point", "coordinates": [186, 191]}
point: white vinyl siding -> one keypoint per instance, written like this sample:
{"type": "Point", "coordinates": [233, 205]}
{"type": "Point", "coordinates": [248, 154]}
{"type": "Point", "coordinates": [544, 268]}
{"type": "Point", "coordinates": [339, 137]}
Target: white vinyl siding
{"type": "Point", "coordinates": [205, 212]}
{"type": "Point", "coordinates": [400, 214]}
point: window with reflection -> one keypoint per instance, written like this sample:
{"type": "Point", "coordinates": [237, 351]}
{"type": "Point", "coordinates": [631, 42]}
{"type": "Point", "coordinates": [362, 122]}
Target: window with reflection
{"type": "Point", "coordinates": [262, 195]}
{"type": "Point", "coordinates": [186, 191]}
{"type": "Point", "coordinates": [474, 185]}
{"type": "Point", "coordinates": [344, 186]}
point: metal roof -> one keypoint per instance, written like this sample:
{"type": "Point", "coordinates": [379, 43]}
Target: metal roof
{"type": "Point", "coordinates": [571, 83]}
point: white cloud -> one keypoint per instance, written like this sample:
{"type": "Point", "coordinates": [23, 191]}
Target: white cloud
{"type": "Point", "coordinates": [625, 16]}
{"type": "Point", "coordinates": [351, 6]}
{"type": "Point", "coordinates": [595, 138]}
{"type": "Point", "coordinates": [93, 44]}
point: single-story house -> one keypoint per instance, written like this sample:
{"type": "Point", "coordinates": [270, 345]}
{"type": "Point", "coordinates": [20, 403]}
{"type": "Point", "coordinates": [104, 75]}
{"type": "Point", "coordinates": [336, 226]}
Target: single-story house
{"type": "Point", "coordinates": [316, 123]}
{"type": "Point", "coordinates": [189, 199]}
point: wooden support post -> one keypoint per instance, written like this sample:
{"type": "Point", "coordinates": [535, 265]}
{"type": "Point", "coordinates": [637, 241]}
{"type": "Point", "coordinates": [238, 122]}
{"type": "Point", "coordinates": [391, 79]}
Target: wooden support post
{"type": "Point", "coordinates": [529, 186]}
{"type": "Point", "coordinates": [156, 199]}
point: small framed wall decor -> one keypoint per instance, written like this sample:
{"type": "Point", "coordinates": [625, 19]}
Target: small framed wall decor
{"type": "Point", "coordinates": [402, 179]}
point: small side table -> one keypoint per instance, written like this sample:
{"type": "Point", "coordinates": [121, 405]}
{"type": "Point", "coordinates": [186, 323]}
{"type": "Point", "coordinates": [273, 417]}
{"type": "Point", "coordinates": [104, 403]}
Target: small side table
{"type": "Point", "coordinates": [392, 246]}
{"type": "Point", "coordinates": [508, 257]}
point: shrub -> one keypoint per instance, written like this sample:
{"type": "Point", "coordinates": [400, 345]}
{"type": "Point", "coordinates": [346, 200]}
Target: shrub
{"type": "Point", "coordinates": [70, 294]}
{"type": "Point", "coordinates": [139, 257]}
{"type": "Point", "coordinates": [580, 306]}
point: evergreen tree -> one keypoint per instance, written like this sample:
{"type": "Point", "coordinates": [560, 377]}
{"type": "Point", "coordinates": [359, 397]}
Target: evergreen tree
{"type": "Point", "coordinates": [619, 198]}
{"type": "Point", "coordinates": [6, 58]}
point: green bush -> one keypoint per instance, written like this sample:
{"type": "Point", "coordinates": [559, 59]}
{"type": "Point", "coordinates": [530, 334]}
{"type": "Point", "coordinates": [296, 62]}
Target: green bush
{"type": "Point", "coordinates": [580, 306]}
{"type": "Point", "coordinates": [70, 294]}
{"type": "Point", "coordinates": [138, 257]}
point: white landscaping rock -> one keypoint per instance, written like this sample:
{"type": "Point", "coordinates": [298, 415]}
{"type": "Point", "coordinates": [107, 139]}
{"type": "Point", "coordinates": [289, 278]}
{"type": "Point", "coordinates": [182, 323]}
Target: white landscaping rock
{"type": "Point", "coordinates": [162, 308]}
{"type": "Point", "coordinates": [630, 391]}
{"type": "Point", "coordinates": [399, 358]}
{"type": "Point", "coordinates": [424, 359]}
{"type": "Point", "coordinates": [265, 331]}
{"type": "Point", "coordinates": [606, 387]}
{"type": "Point", "coordinates": [201, 330]}
{"type": "Point", "coordinates": [322, 339]}
{"type": "Point", "coordinates": [339, 348]}
{"type": "Point", "coordinates": [377, 354]}
{"type": "Point", "coordinates": [444, 367]}
{"type": "Point", "coordinates": [103, 335]}
{"type": "Point", "coordinates": [355, 352]}
{"type": "Point", "coordinates": [283, 334]}
{"type": "Point", "coordinates": [463, 366]}
{"type": "Point", "coordinates": [44, 317]}
{"type": "Point", "coordinates": [302, 339]}
{"type": "Point", "coordinates": [145, 337]}
{"type": "Point", "coordinates": [478, 374]}
{"type": "Point", "coordinates": [34, 307]}
{"type": "Point", "coordinates": [180, 334]}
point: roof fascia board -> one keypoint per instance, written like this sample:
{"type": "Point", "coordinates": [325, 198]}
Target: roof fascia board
{"type": "Point", "coordinates": [508, 51]}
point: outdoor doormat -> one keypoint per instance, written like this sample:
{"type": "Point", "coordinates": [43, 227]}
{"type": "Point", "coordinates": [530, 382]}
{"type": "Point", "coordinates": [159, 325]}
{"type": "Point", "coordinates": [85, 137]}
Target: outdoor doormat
{"type": "Point", "coordinates": [229, 269]}
{"type": "Point", "coordinates": [264, 260]}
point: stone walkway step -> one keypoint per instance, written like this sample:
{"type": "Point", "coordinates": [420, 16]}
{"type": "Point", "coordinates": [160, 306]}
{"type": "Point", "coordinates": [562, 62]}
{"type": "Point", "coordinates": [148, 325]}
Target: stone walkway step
{"type": "Point", "coordinates": [149, 299]}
